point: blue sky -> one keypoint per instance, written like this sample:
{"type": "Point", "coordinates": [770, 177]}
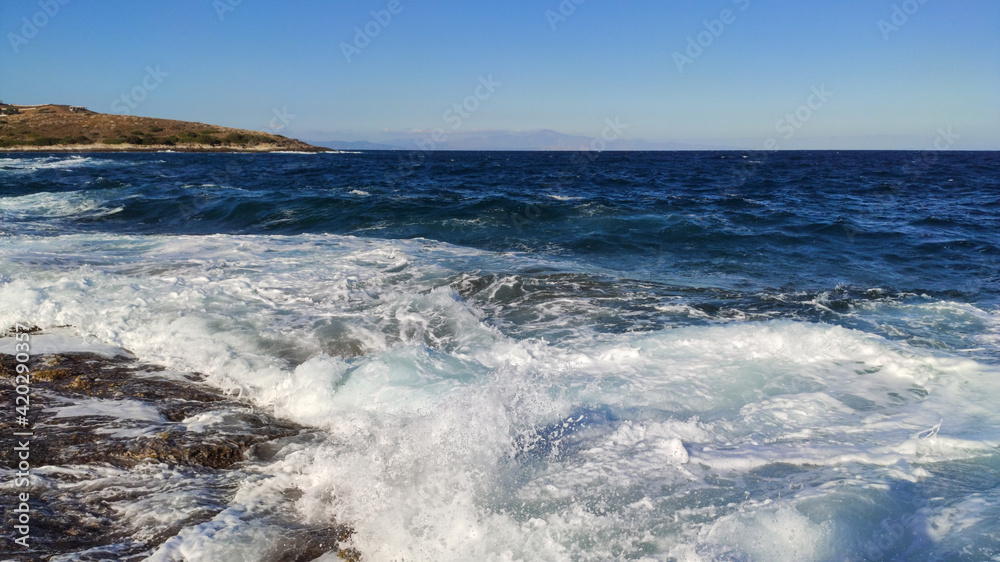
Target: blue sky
{"type": "Point", "coordinates": [256, 64]}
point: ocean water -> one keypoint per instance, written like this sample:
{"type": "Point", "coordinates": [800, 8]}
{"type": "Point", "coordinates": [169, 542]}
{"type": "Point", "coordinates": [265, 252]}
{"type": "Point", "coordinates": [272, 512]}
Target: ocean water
{"type": "Point", "coordinates": [553, 356]}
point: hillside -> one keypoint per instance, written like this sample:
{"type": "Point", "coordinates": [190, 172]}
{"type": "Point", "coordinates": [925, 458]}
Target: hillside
{"type": "Point", "coordinates": [69, 128]}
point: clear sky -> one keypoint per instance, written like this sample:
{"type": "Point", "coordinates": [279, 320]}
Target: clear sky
{"type": "Point", "coordinates": [930, 66]}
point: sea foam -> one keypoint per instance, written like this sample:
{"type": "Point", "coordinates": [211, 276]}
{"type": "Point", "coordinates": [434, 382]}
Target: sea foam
{"type": "Point", "coordinates": [441, 436]}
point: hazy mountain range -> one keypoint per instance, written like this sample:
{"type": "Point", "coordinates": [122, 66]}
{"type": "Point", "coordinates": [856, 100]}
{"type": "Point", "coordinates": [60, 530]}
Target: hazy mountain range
{"type": "Point", "coordinates": [544, 139]}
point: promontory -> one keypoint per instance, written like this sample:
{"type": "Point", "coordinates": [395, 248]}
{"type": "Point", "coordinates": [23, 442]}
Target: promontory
{"type": "Point", "coordinates": [66, 128]}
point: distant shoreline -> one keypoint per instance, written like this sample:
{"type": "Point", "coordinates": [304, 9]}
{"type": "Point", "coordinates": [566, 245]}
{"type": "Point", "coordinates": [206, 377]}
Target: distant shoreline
{"type": "Point", "coordinates": [153, 148]}
{"type": "Point", "coordinates": [68, 128]}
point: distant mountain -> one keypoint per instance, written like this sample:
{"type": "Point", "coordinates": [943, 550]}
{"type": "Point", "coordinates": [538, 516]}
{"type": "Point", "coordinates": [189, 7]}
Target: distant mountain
{"type": "Point", "coordinates": [356, 145]}
{"type": "Point", "coordinates": [77, 129]}
{"type": "Point", "coordinates": [543, 139]}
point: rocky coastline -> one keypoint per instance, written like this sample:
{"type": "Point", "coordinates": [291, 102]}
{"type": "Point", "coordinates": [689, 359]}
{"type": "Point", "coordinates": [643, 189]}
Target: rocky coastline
{"type": "Point", "coordinates": [101, 423]}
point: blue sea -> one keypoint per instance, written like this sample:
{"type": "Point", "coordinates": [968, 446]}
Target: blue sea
{"type": "Point", "coordinates": [550, 356]}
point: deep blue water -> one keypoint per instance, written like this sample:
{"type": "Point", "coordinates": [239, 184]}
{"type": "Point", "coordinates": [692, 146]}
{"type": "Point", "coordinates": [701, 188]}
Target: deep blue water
{"type": "Point", "coordinates": [791, 272]}
{"type": "Point", "coordinates": [903, 221]}
{"type": "Point", "coordinates": [725, 230]}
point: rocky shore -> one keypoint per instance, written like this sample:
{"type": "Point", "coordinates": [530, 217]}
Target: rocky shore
{"type": "Point", "coordinates": [114, 439]}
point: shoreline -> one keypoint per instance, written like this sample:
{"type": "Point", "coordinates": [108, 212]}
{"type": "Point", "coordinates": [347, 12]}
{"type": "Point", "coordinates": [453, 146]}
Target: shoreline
{"type": "Point", "coordinates": [155, 148]}
{"type": "Point", "coordinates": [66, 128]}
{"type": "Point", "coordinates": [98, 417]}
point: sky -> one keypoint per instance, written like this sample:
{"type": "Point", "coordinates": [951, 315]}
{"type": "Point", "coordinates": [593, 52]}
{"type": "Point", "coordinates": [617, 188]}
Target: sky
{"type": "Point", "coordinates": [783, 74]}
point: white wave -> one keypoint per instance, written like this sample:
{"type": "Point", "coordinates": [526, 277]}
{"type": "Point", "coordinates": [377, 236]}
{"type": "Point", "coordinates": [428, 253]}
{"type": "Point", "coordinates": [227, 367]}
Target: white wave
{"type": "Point", "coordinates": [441, 437]}
{"type": "Point", "coordinates": [47, 205]}
{"type": "Point", "coordinates": [940, 323]}
{"type": "Point", "coordinates": [118, 409]}
{"type": "Point", "coordinates": [60, 340]}
{"type": "Point", "coordinates": [215, 186]}
{"type": "Point", "coordinates": [31, 164]}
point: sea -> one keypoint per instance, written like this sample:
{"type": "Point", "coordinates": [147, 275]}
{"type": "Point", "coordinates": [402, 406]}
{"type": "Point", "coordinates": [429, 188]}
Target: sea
{"type": "Point", "coordinates": [499, 356]}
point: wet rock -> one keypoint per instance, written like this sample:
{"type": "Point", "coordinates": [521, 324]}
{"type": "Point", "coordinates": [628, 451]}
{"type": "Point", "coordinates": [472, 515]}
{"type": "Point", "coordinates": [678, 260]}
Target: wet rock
{"type": "Point", "coordinates": [304, 545]}
{"type": "Point", "coordinates": [62, 379]}
{"type": "Point", "coordinates": [101, 424]}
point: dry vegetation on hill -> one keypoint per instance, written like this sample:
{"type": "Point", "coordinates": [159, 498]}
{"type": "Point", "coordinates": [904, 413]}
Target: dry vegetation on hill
{"type": "Point", "coordinates": [68, 128]}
